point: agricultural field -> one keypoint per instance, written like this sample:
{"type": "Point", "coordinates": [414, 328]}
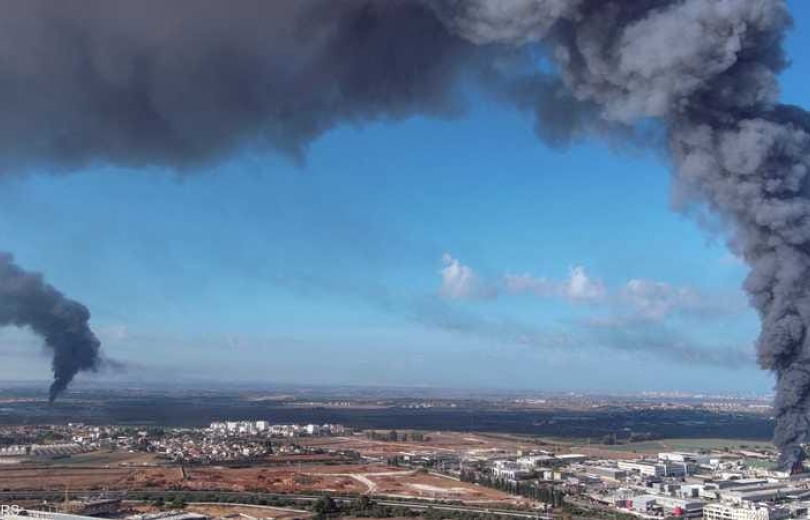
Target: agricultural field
{"type": "Point", "coordinates": [464, 444]}
{"type": "Point", "coordinates": [656, 446]}
{"type": "Point", "coordinates": [106, 458]}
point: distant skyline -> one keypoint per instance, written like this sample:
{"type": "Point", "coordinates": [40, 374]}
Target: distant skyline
{"type": "Point", "coordinates": [459, 252]}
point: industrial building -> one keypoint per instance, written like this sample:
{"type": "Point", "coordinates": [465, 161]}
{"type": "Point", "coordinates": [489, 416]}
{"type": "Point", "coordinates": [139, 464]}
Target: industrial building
{"type": "Point", "coordinates": [684, 457]}
{"type": "Point", "coordinates": [607, 472]}
{"type": "Point", "coordinates": [654, 468]}
{"type": "Point", "coordinates": [571, 458]}
{"type": "Point", "coordinates": [656, 505]}
{"type": "Point", "coordinates": [718, 511]}
{"type": "Point", "coordinates": [747, 491]}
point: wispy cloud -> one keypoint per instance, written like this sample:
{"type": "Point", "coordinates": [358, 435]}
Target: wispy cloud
{"type": "Point", "coordinates": [460, 282]}
{"type": "Point", "coordinates": [659, 300]}
{"type": "Point", "coordinates": [638, 298]}
{"type": "Point", "coordinates": [112, 333]}
{"type": "Point", "coordinates": [656, 339]}
{"type": "Point", "coordinates": [638, 329]}
{"type": "Point", "coordinates": [729, 259]}
{"type": "Point", "coordinates": [578, 287]}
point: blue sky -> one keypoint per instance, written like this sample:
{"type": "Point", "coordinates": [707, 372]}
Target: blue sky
{"type": "Point", "coordinates": [454, 253]}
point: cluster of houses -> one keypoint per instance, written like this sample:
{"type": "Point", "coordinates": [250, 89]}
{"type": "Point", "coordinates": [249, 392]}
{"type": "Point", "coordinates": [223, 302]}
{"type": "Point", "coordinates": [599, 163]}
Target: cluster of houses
{"type": "Point", "coordinates": [267, 429]}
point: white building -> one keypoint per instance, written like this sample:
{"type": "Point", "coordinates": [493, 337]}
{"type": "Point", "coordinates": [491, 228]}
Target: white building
{"type": "Point", "coordinates": [531, 462]}
{"type": "Point", "coordinates": [718, 511]}
{"type": "Point", "coordinates": [571, 458]}
{"type": "Point", "coordinates": [684, 457]}
{"type": "Point", "coordinates": [13, 451]}
{"type": "Point", "coordinates": [509, 470]}
{"type": "Point", "coordinates": [606, 472]}
{"type": "Point", "coordinates": [647, 468]}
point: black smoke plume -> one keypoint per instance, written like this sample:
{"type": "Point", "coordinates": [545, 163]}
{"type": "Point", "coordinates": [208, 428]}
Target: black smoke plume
{"type": "Point", "coordinates": [707, 70]}
{"type": "Point", "coordinates": [185, 82]}
{"type": "Point", "coordinates": [26, 301]}
{"type": "Point", "coordinates": [182, 83]}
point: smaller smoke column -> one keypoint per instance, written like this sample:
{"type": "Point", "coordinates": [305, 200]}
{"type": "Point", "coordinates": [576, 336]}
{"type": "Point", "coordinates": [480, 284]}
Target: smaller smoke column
{"type": "Point", "coordinates": [798, 464]}
{"type": "Point", "coordinates": [26, 301]}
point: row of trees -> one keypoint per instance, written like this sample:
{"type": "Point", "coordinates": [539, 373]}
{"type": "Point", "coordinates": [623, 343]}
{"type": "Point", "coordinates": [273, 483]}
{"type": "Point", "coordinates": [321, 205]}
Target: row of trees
{"type": "Point", "coordinates": [612, 439]}
{"type": "Point", "coordinates": [394, 436]}
{"type": "Point", "coordinates": [364, 507]}
{"type": "Point", "coordinates": [179, 500]}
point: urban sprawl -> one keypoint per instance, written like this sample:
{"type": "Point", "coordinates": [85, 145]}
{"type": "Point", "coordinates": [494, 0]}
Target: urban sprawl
{"type": "Point", "coordinates": [711, 483]}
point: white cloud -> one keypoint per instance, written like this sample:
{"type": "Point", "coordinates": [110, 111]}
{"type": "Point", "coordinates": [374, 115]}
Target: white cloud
{"type": "Point", "coordinates": [638, 299]}
{"type": "Point", "coordinates": [526, 283]}
{"type": "Point", "coordinates": [731, 260]}
{"type": "Point", "coordinates": [113, 333]}
{"type": "Point", "coordinates": [460, 282]}
{"type": "Point", "coordinates": [659, 300]}
{"type": "Point", "coordinates": [578, 287]}
{"type": "Point", "coordinates": [656, 300]}
{"type": "Point", "coordinates": [581, 287]}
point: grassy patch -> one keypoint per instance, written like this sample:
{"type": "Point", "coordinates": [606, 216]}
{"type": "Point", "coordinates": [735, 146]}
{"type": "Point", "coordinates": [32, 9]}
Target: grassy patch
{"type": "Point", "coordinates": [688, 445]}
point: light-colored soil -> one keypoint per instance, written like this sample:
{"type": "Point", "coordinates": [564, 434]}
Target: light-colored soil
{"type": "Point", "coordinates": [212, 510]}
{"type": "Point", "coordinates": [223, 510]}
{"type": "Point", "coordinates": [467, 444]}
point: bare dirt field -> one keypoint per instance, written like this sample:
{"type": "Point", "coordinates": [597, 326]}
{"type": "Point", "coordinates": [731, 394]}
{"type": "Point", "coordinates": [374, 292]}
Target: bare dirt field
{"type": "Point", "coordinates": [376, 480]}
{"type": "Point", "coordinates": [276, 480]}
{"type": "Point", "coordinates": [466, 444]}
{"type": "Point", "coordinates": [86, 478]}
{"type": "Point", "coordinates": [435, 487]}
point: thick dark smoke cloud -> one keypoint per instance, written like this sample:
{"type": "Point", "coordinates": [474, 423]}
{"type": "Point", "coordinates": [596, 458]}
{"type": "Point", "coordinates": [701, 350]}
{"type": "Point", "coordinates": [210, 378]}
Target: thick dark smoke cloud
{"type": "Point", "coordinates": [182, 83]}
{"type": "Point", "coordinates": [26, 301]}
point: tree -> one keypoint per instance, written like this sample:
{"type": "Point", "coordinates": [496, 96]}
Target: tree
{"type": "Point", "coordinates": [325, 505]}
{"type": "Point", "coordinates": [361, 504]}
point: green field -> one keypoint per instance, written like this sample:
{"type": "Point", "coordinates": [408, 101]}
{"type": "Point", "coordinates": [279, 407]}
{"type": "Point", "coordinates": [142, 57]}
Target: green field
{"type": "Point", "coordinates": [103, 459]}
{"type": "Point", "coordinates": [689, 445]}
